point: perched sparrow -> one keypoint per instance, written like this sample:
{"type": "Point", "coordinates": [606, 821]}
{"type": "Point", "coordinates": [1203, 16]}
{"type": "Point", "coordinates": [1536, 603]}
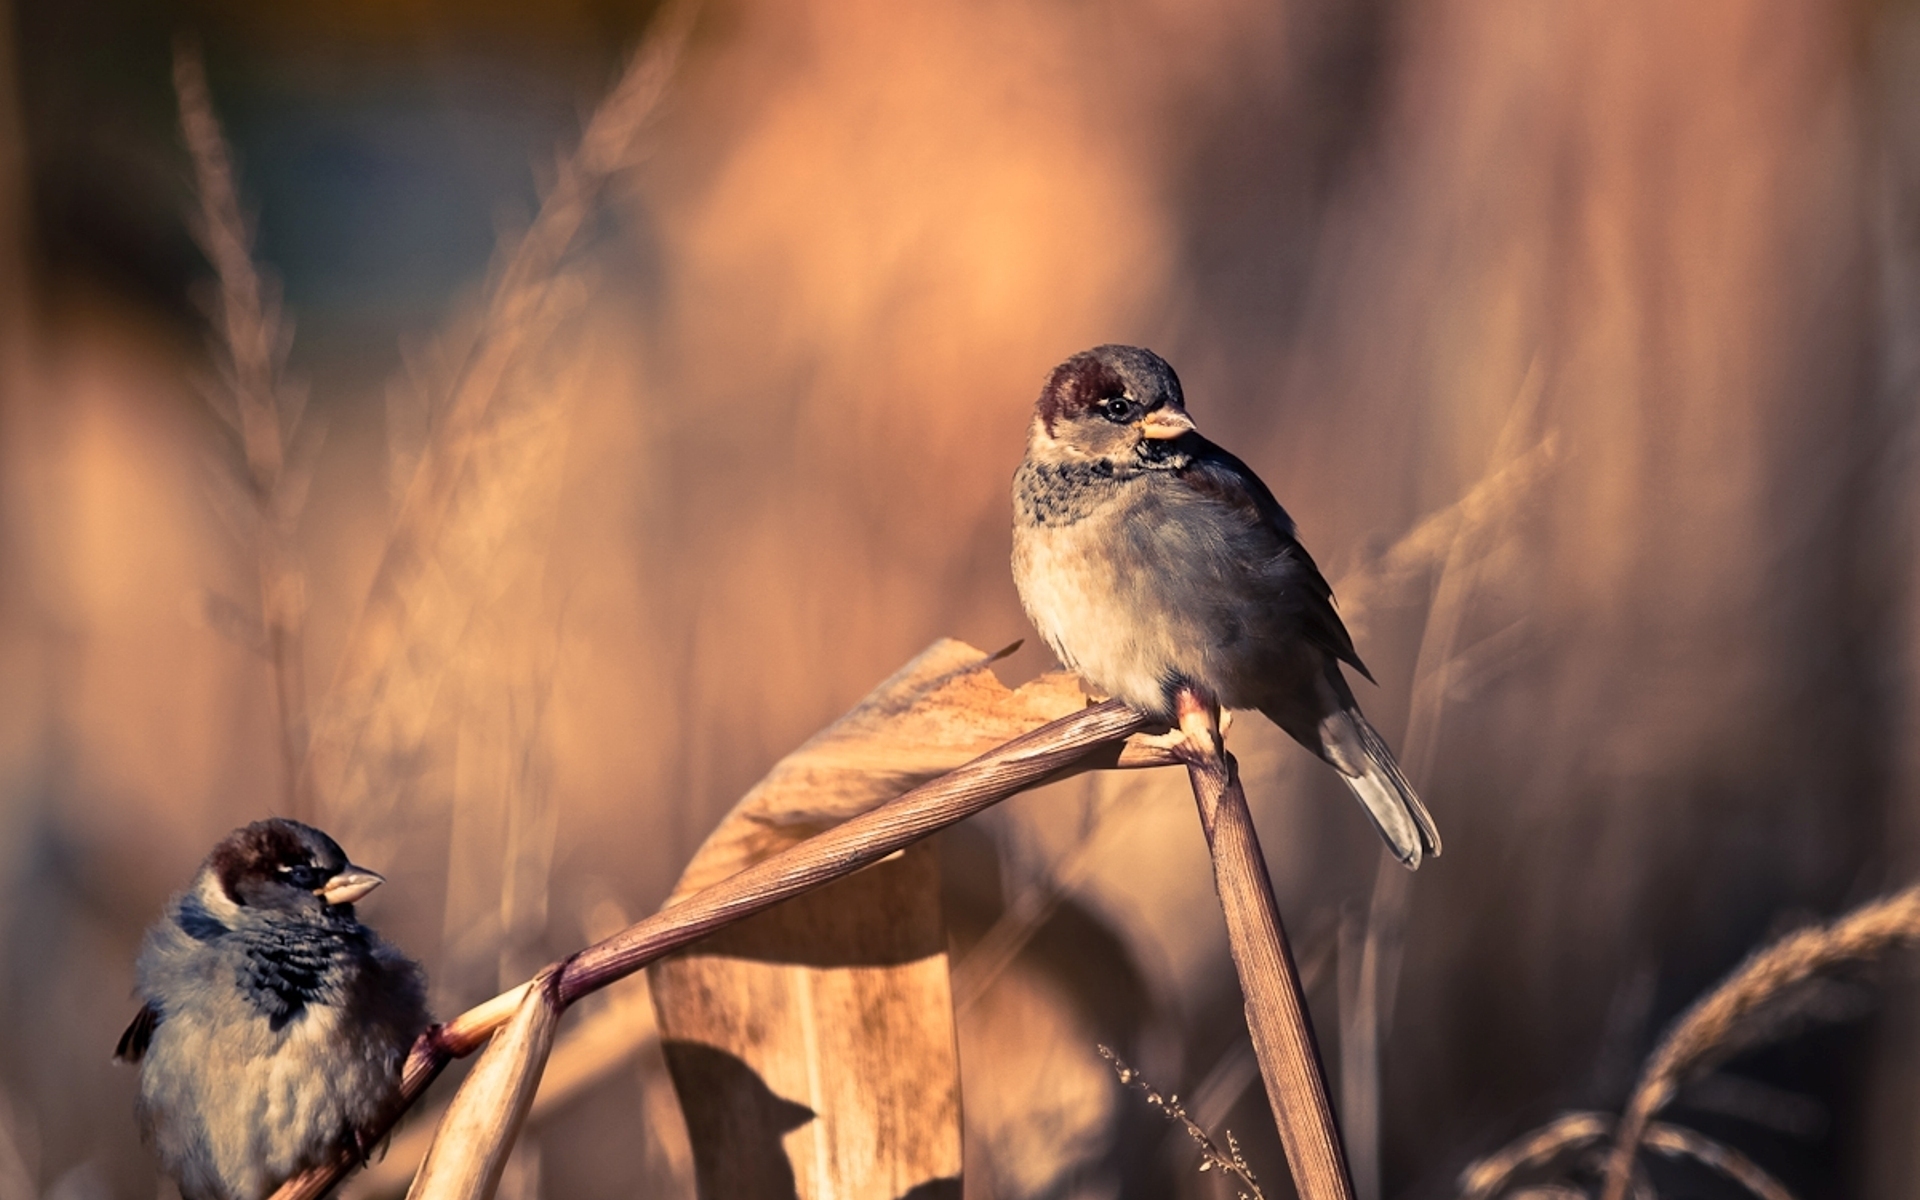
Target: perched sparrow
{"type": "Point", "coordinates": [275, 1023]}
{"type": "Point", "coordinates": [1155, 563]}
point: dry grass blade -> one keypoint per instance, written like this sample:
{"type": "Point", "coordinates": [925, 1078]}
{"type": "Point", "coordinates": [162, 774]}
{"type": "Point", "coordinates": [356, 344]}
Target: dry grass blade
{"type": "Point", "coordinates": [1718, 1024]}
{"type": "Point", "coordinates": [475, 1136]}
{"type": "Point", "coordinates": [1566, 1135]}
{"type": "Point", "coordinates": [592, 1047]}
{"type": "Point", "coordinates": [1212, 1158]}
{"type": "Point", "coordinates": [1676, 1142]}
{"type": "Point", "coordinates": [264, 411]}
{"type": "Point", "coordinates": [526, 284]}
{"type": "Point", "coordinates": [1093, 736]}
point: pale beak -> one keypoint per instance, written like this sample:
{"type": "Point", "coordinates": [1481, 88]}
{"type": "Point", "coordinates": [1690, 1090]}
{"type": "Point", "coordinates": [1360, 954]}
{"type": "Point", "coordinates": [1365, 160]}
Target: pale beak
{"type": "Point", "coordinates": [349, 885]}
{"type": "Point", "coordinates": [1164, 423]}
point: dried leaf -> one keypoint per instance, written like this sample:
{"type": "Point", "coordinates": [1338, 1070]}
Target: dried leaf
{"type": "Point", "coordinates": [813, 1046]}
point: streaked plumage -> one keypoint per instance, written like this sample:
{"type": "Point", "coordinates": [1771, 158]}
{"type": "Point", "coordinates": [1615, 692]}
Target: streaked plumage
{"type": "Point", "coordinates": [274, 1023]}
{"type": "Point", "coordinates": [1151, 559]}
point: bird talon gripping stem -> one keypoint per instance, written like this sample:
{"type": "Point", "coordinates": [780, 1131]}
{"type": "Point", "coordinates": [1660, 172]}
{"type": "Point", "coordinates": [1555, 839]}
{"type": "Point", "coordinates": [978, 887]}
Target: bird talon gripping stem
{"type": "Point", "coordinates": [1200, 725]}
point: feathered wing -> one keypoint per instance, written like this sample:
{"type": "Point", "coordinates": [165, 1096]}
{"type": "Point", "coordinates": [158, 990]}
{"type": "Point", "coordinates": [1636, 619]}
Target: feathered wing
{"type": "Point", "coordinates": [1328, 721]}
{"type": "Point", "coordinates": [139, 1035]}
{"type": "Point", "coordinates": [1230, 482]}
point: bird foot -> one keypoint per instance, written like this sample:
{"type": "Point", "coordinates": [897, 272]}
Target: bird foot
{"type": "Point", "coordinates": [1178, 738]}
{"type": "Point", "coordinates": [1201, 733]}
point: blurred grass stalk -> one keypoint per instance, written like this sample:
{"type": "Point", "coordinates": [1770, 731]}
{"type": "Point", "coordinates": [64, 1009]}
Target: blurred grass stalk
{"type": "Point", "coordinates": [1370, 959]}
{"type": "Point", "coordinates": [1766, 996]}
{"type": "Point", "coordinates": [528, 293]}
{"type": "Point", "coordinates": [264, 412]}
{"type": "Point", "coordinates": [1743, 1010]}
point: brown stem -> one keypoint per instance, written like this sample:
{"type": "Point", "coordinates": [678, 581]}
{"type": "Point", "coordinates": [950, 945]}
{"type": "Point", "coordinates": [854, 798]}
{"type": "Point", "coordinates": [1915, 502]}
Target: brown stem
{"type": "Point", "coordinates": [1060, 746]}
{"type": "Point", "coordinates": [1276, 1007]}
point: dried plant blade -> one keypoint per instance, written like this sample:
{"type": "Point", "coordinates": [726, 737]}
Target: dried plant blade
{"type": "Point", "coordinates": [593, 1046]}
{"type": "Point", "coordinates": [813, 1046]}
{"type": "Point", "coordinates": [477, 1133]}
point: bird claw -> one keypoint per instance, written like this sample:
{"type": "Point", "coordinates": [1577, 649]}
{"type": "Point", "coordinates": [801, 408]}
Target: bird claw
{"type": "Point", "coordinates": [1201, 733]}
{"type": "Point", "coordinates": [1169, 741]}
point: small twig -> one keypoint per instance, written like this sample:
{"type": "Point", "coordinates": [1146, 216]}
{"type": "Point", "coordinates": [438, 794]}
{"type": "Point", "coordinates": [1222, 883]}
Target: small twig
{"type": "Point", "coordinates": [1090, 738]}
{"type": "Point", "coordinates": [1228, 1161]}
{"type": "Point", "coordinates": [1276, 1007]}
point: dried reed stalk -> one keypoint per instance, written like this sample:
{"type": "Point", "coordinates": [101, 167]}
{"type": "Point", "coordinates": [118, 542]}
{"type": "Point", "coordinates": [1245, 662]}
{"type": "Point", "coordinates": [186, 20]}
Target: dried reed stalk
{"type": "Point", "coordinates": [265, 412]}
{"type": "Point", "coordinates": [526, 285]}
{"type": "Point", "coordinates": [471, 1145]}
{"type": "Point", "coordinates": [1722, 1022]}
{"type": "Point", "coordinates": [1276, 1007]}
{"type": "Point", "coordinates": [1094, 737]}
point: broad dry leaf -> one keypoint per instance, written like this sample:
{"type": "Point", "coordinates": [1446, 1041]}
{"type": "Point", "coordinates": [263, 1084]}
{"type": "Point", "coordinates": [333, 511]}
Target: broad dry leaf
{"type": "Point", "coordinates": [813, 1047]}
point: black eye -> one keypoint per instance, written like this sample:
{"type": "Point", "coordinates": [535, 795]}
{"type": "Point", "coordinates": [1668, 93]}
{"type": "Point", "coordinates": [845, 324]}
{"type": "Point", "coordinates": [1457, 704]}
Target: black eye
{"type": "Point", "coordinates": [303, 876]}
{"type": "Point", "coordinates": [1116, 409]}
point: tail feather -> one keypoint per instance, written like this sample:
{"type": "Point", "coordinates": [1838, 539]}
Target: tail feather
{"type": "Point", "coordinates": [1350, 742]}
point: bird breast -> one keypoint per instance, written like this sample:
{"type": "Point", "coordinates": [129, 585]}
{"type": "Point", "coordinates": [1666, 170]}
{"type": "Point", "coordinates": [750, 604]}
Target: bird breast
{"type": "Point", "coordinates": [1130, 593]}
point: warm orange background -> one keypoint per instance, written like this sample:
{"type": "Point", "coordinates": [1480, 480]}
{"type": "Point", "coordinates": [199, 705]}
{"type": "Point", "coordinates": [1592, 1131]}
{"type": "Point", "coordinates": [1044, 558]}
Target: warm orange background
{"type": "Point", "coordinates": [765, 460]}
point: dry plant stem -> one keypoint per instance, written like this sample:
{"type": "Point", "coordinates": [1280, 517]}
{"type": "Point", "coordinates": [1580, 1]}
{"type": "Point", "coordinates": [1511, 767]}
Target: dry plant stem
{"type": "Point", "coordinates": [522, 287]}
{"type": "Point", "coordinates": [1276, 1006]}
{"type": "Point", "coordinates": [251, 333]}
{"type": "Point", "coordinates": [1092, 737]}
{"type": "Point", "coordinates": [1711, 1024]}
{"type": "Point", "coordinates": [476, 1134]}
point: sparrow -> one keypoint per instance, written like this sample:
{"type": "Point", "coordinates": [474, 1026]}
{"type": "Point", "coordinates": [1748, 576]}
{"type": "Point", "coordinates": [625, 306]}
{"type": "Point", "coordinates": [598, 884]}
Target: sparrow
{"type": "Point", "coordinates": [1162, 571]}
{"type": "Point", "coordinates": [275, 1024]}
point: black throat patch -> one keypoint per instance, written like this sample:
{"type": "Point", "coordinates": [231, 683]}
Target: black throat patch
{"type": "Point", "coordinates": [289, 965]}
{"type": "Point", "coordinates": [1060, 493]}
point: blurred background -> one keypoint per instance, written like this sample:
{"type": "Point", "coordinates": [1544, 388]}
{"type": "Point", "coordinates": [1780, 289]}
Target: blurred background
{"type": "Point", "coordinates": [1642, 278]}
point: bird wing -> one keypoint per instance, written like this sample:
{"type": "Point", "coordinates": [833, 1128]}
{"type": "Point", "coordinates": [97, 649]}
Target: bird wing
{"type": "Point", "coordinates": [1227, 481]}
{"type": "Point", "coordinates": [139, 1035]}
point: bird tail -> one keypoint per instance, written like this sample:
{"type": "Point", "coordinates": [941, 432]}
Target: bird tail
{"type": "Point", "coordinates": [1355, 748]}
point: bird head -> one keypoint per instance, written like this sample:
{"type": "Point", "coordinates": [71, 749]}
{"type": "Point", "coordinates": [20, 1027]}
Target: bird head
{"type": "Point", "coordinates": [1111, 402]}
{"type": "Point", "coordinates": [278, 866]}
